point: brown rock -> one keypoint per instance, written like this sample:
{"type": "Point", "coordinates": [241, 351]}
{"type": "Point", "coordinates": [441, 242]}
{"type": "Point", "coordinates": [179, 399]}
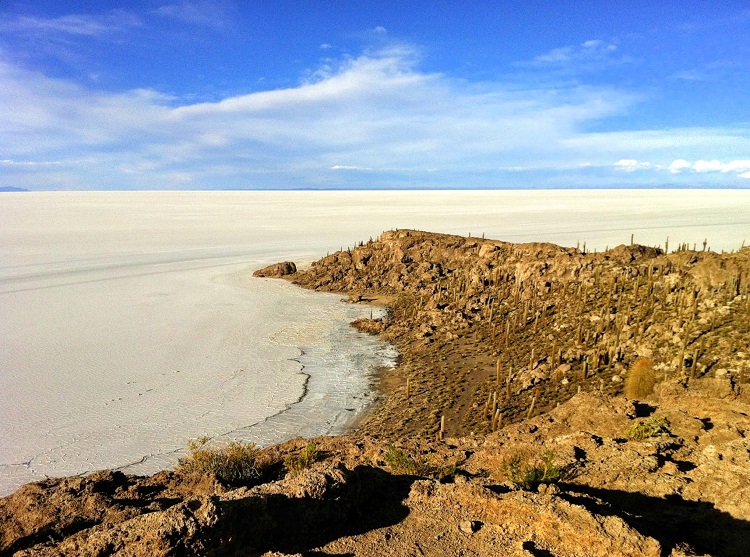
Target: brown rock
{"type": "Point", "coordinates": [277, 270]}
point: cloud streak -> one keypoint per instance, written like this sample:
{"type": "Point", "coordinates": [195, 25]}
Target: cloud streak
{"type": "Point", "coordinates": [210, 13]}
{"type": "Point", "coordinates": [585, 52]}
{"type": "Point", "coordinates": [374, 119]}
{"type": "Point", "coordinates": [714, 165]}
{"type": "Point", "coordinates": [85, 25]}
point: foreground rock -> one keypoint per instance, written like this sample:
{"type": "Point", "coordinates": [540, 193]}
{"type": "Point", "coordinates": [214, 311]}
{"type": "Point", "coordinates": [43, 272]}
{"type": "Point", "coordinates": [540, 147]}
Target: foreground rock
{"type": "Point", "coordinates": [686, 492]}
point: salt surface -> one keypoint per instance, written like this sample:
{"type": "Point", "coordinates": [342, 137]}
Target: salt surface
{"type": "Point", "coordinates": [129, 322]}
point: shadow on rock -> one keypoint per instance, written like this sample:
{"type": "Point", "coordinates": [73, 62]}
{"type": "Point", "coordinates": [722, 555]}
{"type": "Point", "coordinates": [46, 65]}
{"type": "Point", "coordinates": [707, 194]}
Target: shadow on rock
{"type": "Point", "coordinates": [672, 521]}
{"type": "Point", "coordinates": [535, 551]}
{"type": "Point", "coordinates": [370, 498]}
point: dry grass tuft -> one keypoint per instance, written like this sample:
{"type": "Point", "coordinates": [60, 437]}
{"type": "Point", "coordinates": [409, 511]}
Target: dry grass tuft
{"type": "Point", "coordinates": [302, 461]}
{"type": "Point", "coordinates": [400, 462]}
{"type": "Point", "coordinates": [645, 429]}
{"type": "Point", "coordinates": [234, 463]}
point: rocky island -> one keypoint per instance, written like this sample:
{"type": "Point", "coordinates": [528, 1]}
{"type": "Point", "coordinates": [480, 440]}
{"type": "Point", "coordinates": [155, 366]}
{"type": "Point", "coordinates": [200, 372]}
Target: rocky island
{"type": "Point", "coordinates": [548, 401]}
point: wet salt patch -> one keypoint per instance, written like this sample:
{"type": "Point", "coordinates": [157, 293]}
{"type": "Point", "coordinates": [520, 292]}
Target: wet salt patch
{"type": "Point", "coordinates": [339, 388]}
{"type": "Point", "coordinates": [340, 369]}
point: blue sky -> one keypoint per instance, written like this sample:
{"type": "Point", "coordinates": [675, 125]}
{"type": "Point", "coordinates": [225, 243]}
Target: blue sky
{"type": "Point", "coordinates": [208, 94]}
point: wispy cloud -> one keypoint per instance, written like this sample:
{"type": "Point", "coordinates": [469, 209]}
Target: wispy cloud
{"type": "Point", "coordinates": [212, 13]}
{"type": "Point", "coordinates": [9, 162]}
{"type": "Point", "coordinates": [741, 16]}
{"type": "Point", "coordinates": [690, 75]}
{"type": "Point", "coordinates": [88, 25]}
{"type": "Point", "coordinates": [712, 71]}
{"type": "Point", "coordinates": [665, 144]}
{"type": "Point", "coordinates": [739, 167]}
{"type": "Point", "coordinates": [350, 167]}
{"type": "Point", "coordinates": [714, 165]}
{"type": "Point", "coordinates": [374, 117]}
{"type": "Point", "coordinates": [591, 53]}
{"type": "Point", "coordinates": [631, 165]}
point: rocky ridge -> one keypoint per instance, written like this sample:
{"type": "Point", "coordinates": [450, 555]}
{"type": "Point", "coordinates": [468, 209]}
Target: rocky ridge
{"type": "Point", "coordinates": [492, 330]}
{"type": "Point", "coordinates": [682, 493]}
{"type": "Point", "coordinates": [458, 305]}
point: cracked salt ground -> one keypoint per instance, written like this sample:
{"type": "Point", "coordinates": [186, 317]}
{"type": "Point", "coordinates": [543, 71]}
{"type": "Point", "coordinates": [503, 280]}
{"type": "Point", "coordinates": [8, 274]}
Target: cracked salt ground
{"type": "Point", "coordinates": [250, 382]}
{"type": "Point", "coordinates": [339, 372]}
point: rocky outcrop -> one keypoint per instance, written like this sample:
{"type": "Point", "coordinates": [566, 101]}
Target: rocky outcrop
{"type": "Point", "coordinates": [277, 270]}
{"type": "Point", "coordinates": [683, 492]}
{"type": "Point", "coordinates": [554, 320]}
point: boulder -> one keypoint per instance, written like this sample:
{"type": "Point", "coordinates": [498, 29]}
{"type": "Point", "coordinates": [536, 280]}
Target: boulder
{"type": "Point", "coordinates": [277, 270]}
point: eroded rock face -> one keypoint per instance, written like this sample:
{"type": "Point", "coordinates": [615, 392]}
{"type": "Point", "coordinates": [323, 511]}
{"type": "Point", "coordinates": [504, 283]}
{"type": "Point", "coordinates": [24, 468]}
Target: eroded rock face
{"type": "Point", "coordinates": [277, 270]}
{"type": "Point", "coordinates": [681, 493]}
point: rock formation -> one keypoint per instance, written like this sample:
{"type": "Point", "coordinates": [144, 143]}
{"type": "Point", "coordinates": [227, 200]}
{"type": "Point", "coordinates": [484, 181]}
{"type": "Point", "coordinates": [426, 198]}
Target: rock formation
{"type": "Point", "coordinates": [487, 326]}
{"type": "Point", "coordinates": [525, 349]}
{"type": "Point", "coordinates": [277, 270]}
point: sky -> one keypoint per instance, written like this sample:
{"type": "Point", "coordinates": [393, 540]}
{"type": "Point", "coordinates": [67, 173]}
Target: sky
{"type": "Point", "coordinates": [221, 94]}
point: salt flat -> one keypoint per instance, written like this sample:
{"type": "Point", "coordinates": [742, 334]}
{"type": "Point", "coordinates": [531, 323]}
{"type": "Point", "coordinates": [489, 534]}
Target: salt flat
{"type": "Point", "coordinates": [129, 322]}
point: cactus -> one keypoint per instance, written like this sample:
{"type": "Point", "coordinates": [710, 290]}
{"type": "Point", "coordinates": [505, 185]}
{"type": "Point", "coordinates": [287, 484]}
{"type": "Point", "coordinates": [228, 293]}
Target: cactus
{"type": "Point", "coordinates": [641, 379]}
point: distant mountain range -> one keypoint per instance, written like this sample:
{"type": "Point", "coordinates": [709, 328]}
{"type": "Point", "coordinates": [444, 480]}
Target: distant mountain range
{"type": "Point", "coordinates": [11, 188]}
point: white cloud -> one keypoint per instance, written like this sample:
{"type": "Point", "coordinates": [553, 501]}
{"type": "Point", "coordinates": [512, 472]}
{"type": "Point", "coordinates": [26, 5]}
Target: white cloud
{"type": "Point", "coordinates": [703, 166]}
{"type": "Point", "coordinates": [745, 175]}
{"type": "Point", "coordinates": [212, 13]}
{"type": "Point", "coordinates": [679, 165]}
{"type": "Point", "coordinates": [707, 166]}
{"type": "Point", "coordinates": [689, 75]}
{"type": "Point", "coordinates": [631, 165]}
{"type": "Point", "coordinates": [664, 144]}
{"type": "Point", "coordinates": [85, 24]}
{"type": "Point", "coordinates": [585, 52]}
{"type": "Point", "coordinates": [736, 166]}
{"type": "Point", "coordinates": [376, 113]}
{"type": "Point", "coordinates": [8, 162]}
{"type": "Point", "coordinates": [349, 167]}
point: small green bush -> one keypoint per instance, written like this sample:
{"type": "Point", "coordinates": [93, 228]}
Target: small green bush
{"type": "Point", "coordinates": [303, 460]}
{"type": "Point", "coordinates": [233, 463]}
{"type": "Point", "coordinates": [528, 472]}
{"type": "Point", "coordinates": [401, 462]}
{"type": "Point", "coordinates": [649, 427]}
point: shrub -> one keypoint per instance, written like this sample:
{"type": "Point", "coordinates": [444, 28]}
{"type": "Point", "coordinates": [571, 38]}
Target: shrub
{"type": "Point", "coordinates": [233, 463]}
{"type": "Point", "coordinates": [650, 427]}
{"type": "Point", "coordinates": [401, 462]}
{"type": "Point", "coordinates": [527, 471]}
{"type": "Point", "coordinates": [641, 379]}
{"type": "Point", "coordinates": [303, 460]}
